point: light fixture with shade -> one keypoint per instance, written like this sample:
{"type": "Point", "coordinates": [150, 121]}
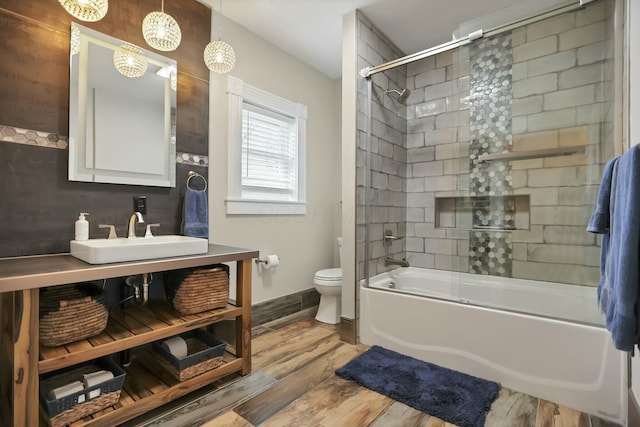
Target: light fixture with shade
{"type": "Point", "coordinates": [129, 60]}
{"type": "Point", "coordinates": [218, 55]}
{"type": "Point", "coordinates": [86, 10]}
{"type": "Point", "coordinates": [161, 31]}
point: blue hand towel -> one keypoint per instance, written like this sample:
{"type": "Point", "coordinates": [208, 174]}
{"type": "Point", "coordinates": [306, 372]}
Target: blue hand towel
{"type": "Point", "coordinates": [195, 222]}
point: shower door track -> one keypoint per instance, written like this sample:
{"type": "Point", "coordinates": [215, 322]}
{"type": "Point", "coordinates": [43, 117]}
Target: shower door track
{"type": "Point", "coordinates": [367, 72]}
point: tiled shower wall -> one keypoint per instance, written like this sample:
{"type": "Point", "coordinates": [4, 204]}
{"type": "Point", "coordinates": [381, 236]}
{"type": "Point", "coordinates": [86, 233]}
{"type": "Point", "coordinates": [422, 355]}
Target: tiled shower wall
{"type": "Point", "coordinates": [548, 84]}
{"type": "Point", "coordinates": [561, 95]}
{"type": "Point", "coordinates": [437, 157]}
{"type": "Point", "coordinates": [387, 189]}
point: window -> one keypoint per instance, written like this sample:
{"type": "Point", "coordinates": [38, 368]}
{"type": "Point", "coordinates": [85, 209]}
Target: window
{"type": "Point", "coordinates": [266, 152]}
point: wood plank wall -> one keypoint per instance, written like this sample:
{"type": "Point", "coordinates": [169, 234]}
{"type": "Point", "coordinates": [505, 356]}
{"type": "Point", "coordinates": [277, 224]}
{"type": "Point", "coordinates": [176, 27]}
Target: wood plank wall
{"type": "Point", "coordinates": [38, 205]}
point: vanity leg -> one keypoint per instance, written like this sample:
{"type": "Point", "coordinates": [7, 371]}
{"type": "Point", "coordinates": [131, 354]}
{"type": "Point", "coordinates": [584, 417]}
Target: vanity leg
{"type": "Point", "coordinates": [20, 357]}
{"type": "Point", "coordinates": [6, 348]}
{"type": "Point", "coordinates": [243, 325]}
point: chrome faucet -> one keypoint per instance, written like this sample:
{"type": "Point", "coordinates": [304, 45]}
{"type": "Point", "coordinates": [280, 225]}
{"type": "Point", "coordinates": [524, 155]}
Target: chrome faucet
{"type": "Point", "coordinates": [401, 262]}
{"type": "Point", "coordinates": [132, 224]}
{"type": "Point", "coordinates": [388, 240]}
{"type": "Point", "coordinates": [389, 237]}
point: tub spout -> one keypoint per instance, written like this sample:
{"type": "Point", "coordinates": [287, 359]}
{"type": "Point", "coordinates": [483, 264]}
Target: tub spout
{"type": "Point", "coordinates": [401, 262]}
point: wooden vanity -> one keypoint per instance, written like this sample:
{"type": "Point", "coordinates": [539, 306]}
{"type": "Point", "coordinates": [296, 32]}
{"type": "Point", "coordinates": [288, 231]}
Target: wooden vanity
{"type": "Point", "coordinates": [22, 359]}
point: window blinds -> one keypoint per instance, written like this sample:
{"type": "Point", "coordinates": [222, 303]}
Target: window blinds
{"type": "Point", "coordinates": [269, 150]}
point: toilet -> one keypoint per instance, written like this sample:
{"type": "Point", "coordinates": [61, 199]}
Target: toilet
{"type": "Point", "coordinates": [328, 283]}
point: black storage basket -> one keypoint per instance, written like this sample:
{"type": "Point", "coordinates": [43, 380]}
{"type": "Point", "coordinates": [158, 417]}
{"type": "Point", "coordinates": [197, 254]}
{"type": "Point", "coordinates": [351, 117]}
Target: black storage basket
{"type": "Point", "coordinates": [66, 410]}
{"type": "Point", "coordinates": [204, 352]}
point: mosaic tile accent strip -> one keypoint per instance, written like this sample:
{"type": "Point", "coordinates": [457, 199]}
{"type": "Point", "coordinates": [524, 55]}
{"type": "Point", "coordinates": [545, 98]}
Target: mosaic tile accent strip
{"type": "Point", "coordinates": [490, 113]}
{"type": "Point", "coordinates": [53, 140]}
{"type": "Point", "coordinates": [192, 159]}
{"type": "Point", "coordinates": [494, 212]}
{"type": "Point", "coordinates": [490, 251]}
{"type": "Point", "coordinates": [33, 137]}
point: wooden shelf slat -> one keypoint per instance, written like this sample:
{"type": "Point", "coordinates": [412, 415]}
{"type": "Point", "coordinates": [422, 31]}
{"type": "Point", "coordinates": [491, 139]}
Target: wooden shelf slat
{"type": "Point", "coordinates": [156, 392]}
{"type": "Point", "coordinates": [119, 338]}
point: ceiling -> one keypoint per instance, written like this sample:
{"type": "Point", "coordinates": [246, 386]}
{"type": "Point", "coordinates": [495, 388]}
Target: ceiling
{"type": "Point", "coordinates": [311, 30]}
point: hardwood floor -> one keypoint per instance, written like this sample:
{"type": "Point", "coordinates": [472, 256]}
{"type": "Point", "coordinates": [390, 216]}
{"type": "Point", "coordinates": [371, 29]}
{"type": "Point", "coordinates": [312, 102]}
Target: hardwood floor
{"type": "Point", "coordinates": [293, 384]}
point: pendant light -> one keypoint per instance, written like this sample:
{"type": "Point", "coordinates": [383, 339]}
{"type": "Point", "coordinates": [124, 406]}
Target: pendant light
{"type": "Point", "coordinates": [218, 55]}
{"type": "Point", "coordinates": [161, 31]}
{"type": "Point", "coordinates": [129, 60]}
{"type": "Point", "coordinates": [86, 10]}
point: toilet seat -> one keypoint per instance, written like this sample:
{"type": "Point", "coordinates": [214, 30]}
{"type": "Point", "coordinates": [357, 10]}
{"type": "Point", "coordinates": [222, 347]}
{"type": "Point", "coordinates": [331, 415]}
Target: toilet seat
{"type": "Point", "coordinates": [329, 275]}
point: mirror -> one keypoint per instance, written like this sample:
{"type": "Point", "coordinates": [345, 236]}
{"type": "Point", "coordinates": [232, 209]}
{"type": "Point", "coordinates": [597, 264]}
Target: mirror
{"type": "Point", "coordinates": [121, 129]}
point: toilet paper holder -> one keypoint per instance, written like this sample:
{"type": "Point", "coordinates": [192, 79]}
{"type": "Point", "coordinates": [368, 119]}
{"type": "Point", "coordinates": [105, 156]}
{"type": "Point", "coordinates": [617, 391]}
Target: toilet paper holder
{"type": "Point", "coordinates": [268, 261]}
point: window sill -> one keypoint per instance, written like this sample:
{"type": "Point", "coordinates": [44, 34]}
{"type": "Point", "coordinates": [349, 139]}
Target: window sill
{"type": "Point", "coordinates": [265, 207]}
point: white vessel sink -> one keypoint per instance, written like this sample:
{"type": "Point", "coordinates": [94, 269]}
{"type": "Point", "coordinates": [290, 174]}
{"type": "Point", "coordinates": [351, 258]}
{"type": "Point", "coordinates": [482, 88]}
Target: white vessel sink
{"type": "Point", "coordinates": [104, 251]}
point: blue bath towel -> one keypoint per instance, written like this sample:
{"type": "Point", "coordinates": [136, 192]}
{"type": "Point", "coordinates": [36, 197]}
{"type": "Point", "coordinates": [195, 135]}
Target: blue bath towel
{"type": "Point", "coordinates": [619, 293]}
{"type": "Point", "coordinates": [195, 222]}
{"type": "Point", "coordinates": [600, 222]}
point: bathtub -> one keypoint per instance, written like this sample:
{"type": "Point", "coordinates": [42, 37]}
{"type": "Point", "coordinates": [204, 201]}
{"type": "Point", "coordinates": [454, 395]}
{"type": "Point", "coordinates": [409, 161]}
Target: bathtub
{"type": "Point", "coordinates": [484, 326]}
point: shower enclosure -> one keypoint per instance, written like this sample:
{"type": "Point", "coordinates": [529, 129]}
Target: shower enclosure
{"type": "Point", "coordinates": [478, 164]}
{"type": "Point", "coordinates": [484, 156]}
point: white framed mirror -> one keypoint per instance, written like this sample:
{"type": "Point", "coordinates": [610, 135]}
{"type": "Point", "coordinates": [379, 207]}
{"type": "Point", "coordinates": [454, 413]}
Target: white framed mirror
{"type": "Point", "coordinates": [121, 128]}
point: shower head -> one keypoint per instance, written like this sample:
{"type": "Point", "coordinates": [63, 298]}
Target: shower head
{"type": "Point", "coordinates": [402, 94]}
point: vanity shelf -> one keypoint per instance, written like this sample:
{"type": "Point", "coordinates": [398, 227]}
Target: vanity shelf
{"type": "Point", "coordinates": [22, 360]}
{"type": "Point", "coordinates": [148, 386]}
{"type": "Point", "coordinates": [130, 328]}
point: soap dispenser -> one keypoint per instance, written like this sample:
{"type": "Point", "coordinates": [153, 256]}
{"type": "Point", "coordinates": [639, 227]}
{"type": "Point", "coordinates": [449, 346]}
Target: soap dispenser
{"type": "Point", "coordinates": [82, 227]}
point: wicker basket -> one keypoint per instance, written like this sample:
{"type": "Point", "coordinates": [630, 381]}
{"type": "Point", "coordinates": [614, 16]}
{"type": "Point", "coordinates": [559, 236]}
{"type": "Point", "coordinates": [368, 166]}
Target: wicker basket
{"type": "Point", "coordinates": [204, 353]}
{"type": "Point", "coordinates": [196, 290]}
{"type": "Point", "coordinates": [66, 410]}
{"type": "Point", "coordinates": [71, 312]}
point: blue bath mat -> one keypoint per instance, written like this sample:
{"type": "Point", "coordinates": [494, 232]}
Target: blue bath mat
{"type": "Point", "coordinates": [450, 395]}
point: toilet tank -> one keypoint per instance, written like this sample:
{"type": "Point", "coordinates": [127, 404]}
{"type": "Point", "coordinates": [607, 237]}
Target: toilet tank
{"type": "Point", "coordinates": [340, 251]}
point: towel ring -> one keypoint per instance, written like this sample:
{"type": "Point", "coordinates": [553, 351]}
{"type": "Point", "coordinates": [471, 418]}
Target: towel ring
{"type": "Point", "coordinates": [193, 174]}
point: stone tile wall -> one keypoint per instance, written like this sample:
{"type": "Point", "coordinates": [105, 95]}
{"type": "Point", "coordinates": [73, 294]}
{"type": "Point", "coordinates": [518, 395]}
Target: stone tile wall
{"type": "Point", "coordinates": [560, 98]}
{"type": "Point", "coordinates": [556, 81]}
{"type": "Point", "coordinates": [437, 157]}
{"type": "Point", "coordinates": [388, 150]}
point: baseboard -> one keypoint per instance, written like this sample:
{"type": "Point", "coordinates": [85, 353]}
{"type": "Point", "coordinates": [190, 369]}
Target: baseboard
{"type": "Point", "coordinates": [278, 308]}
{"type": "Point", "coordinates": [269, 311]}
{"type": "Point", "coordinates": [633, 416]}
{"type": "Point", "coordinates": [348, 331]}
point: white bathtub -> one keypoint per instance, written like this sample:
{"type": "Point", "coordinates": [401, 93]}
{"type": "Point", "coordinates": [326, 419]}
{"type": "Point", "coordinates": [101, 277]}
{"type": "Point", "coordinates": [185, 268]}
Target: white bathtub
{"type": "Point", "coordinates": [570, 363]}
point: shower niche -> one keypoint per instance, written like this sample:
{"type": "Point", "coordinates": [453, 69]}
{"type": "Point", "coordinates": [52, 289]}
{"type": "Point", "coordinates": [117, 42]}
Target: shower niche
{"type": "Point", "coordinates": [505, 213]}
